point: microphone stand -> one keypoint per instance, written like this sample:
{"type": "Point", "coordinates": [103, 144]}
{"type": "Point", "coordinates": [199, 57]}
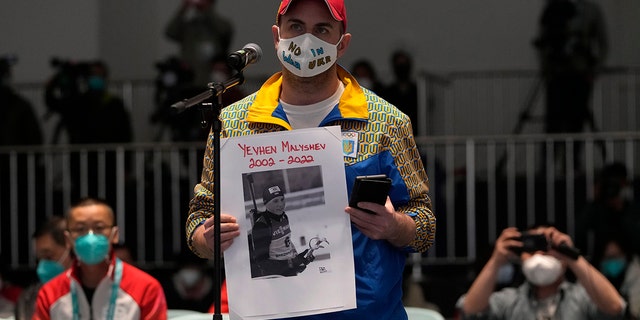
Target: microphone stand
{"type": "Point", "coordinates": [215, 89]}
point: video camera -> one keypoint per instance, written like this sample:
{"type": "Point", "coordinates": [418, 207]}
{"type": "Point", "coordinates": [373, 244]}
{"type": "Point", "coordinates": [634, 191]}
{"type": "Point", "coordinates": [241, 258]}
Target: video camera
{"type": "Point", "coordinates": [173, 76]}
{"type": "Point", "coordinates": [67, 84]}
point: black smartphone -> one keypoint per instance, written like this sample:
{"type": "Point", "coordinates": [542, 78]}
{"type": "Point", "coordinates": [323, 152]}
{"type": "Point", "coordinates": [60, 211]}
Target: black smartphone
{"type": "Point", "coordinates": [373, 188]}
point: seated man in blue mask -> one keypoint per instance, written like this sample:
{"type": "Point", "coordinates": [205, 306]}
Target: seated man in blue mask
{"type": "Point", "coordinates": [98, 285]}
{"type": "Point", "coordinates": [53, 258]}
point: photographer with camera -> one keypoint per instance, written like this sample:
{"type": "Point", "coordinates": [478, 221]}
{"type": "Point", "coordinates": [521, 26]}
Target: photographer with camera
{"type": "Point", "coordinates": [545, 254]}
{"type": "Point", "coordinates": [89, 112]}
{"type": "Point", "coordinates": [202, 33]}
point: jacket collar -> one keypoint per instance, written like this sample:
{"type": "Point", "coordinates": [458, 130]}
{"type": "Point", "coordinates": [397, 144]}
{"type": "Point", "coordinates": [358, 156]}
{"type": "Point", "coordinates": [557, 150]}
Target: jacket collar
{"type": "Point", "coordinates": [74, 271]}
{"type": "Point", "coordinates": [266, 107]}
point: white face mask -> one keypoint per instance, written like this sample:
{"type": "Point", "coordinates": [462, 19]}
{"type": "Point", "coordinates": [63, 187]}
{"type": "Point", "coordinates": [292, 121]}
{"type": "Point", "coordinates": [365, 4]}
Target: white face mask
{"type": "Point", "coordinates": [189, 277]}
{"type": "Point", "coordinates": [542, 270]}
{"type": "Point", "coordinates": [307, 55]}
{"type": "Point", "coordinates": [365, 82]}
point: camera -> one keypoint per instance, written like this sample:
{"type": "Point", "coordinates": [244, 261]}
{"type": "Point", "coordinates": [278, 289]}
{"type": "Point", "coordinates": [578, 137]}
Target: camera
{"type": "Point", "coordinates": [531, 242]}
{"type": "Point", "coordinates": [67, 84]}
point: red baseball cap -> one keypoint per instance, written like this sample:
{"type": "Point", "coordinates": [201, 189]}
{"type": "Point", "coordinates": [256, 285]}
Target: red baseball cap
{"type": "Point", "coordinates": [336, 7]}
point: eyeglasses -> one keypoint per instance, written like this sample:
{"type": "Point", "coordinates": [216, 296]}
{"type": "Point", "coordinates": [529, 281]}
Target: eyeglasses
{"type": "Point", "coordinates": [82, 230]}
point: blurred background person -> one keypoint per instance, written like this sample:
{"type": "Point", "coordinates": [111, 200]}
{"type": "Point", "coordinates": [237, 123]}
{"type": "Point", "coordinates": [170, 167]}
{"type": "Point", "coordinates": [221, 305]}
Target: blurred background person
{"type": "Point", "coordinates": [367, 76]}
{"type": "Point", "coordinates": [89, 113]}
{"type": "Point", "coordinates": [173, 85]}
{"type": "Point", "coordinates": [220, 71]}
{"type": "Point", "coordinates": [572, 46]}
{"type": "Point", "coordinates": [19, 124]}
{"type": "Point", "coordinates": [102, 116]}
{"type": "Point", "coordinates": [9, 292]}
{"type": "Point", "coordinates": [610, 212]}
{"type": "Point", "coordinates": [190, 287]}
{"type": "Point", "coordinates": [403, 91]}
{"type": "Point", "coordinates": [202, 34]}
{"type": "Point", "coordinates": [622, 267]}
{"type": "Point", "coordinates": [123, 252]}
{"type": "Point", "coordinates": [53, 256]}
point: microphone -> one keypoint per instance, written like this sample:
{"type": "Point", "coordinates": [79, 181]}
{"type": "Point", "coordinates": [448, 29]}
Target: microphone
{"type": "Point", "coordinates": [251, 53]}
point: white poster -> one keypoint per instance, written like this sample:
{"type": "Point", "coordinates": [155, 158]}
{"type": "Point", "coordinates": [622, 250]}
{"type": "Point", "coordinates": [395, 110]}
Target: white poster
{"type": "Point", "coordinates": [304, 170]}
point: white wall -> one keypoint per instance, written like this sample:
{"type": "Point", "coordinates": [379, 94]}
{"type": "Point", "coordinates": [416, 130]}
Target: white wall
{"type": "Point", "coordinates": [443, 35]}
{"type": "Point", "coordinates": [39, 30]}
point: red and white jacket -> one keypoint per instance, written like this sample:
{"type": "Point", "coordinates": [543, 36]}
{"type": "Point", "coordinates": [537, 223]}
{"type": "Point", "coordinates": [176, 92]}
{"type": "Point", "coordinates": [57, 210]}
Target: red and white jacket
{"type": "Point", "coordinates": [140, 296]}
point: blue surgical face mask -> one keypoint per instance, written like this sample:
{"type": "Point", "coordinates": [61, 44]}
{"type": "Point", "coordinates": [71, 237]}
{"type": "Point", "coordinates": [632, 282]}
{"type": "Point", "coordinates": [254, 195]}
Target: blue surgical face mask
{"type": "Point", "coordinates": [48, 269]}
{"type": "Point", "coordinates": [92, 248]}
{"type": "Point", "coordinates": [96, 83]}
{"type": "Point", "coordinates": [613, 267]}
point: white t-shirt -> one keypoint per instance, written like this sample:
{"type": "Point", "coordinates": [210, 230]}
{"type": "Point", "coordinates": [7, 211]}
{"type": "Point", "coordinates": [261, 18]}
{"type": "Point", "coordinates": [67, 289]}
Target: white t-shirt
{"type": "Point", "coordinates": [309, 116]}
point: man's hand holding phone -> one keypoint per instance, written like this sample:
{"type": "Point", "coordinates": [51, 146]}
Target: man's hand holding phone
{"type": "Point", "coordinates": [385, 223]}
{"type": "Point", "coordinates": [374, 188]}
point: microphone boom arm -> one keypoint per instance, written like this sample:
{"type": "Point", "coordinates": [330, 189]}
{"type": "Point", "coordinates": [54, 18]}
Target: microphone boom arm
{"type": "Point", "coordinates": [215, 89]}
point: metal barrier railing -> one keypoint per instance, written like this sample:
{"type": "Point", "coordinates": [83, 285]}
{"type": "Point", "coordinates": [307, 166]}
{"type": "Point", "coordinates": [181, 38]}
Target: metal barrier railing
{"type": "Point", "coordinates": [457, 103]}
{"type": "Point", "coordinates": [479, 185]}
{"type": "Point", "coordinates": [471, 153]}
{"type": "Point", "coordinates": [149, 186]}
{"type": "Point", "coordinates": [512, 101]}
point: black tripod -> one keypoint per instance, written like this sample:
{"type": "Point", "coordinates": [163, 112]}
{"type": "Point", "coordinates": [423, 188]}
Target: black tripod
{"type": "Point", "coordinates": [525, 115]}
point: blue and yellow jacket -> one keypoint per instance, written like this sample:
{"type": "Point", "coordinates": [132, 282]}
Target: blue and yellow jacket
{"type": "Point", "coordinates": [377, 138]}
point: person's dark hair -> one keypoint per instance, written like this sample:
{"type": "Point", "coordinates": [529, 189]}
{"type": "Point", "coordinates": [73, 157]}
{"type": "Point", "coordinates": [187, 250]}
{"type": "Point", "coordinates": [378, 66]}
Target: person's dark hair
{"type": "Point", "coordinates": [616, 170]}
{"type": "Point", "coordinates": [99, 67]}
{"type": "Point", "coordinates": [89, 201]}
{"type": "Point", "coordinates": [611, 179]}
{"type": "Point", "coordinates": [121, 246]}
{"type": "Point", "coordinates": [543, 224]}
{"type": "Point", "coordinates": [401, 56]}
{"type": "Point", "coordinates": [402, 64]}
{"type": "Point", "coordinates": [55, 227]}
{"type": "Point", "coordinates": [621, 240]}
{"type": "Point", "coordinates": [363, 63]}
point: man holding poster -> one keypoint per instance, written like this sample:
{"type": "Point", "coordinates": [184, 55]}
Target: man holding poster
{"type": "Point", "coordinates": [313, 91]}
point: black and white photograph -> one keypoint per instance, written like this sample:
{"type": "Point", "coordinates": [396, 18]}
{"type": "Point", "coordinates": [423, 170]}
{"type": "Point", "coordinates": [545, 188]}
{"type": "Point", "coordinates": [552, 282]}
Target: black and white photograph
{"type": "Point", "coordinates": [287, 192]}
{"type": "Point", "coordinates": [280, 244]}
